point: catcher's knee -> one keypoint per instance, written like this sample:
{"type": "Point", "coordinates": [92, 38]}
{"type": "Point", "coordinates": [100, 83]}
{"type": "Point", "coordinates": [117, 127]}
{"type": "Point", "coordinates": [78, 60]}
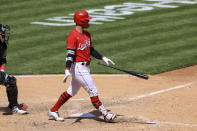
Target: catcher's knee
{"type": "Point", "coordinates": [10, 81]}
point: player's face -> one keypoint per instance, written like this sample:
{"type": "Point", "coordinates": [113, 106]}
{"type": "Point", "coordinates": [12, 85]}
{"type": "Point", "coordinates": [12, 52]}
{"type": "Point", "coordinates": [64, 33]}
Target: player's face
{"type": "Point", "coordinates": [86, 24]}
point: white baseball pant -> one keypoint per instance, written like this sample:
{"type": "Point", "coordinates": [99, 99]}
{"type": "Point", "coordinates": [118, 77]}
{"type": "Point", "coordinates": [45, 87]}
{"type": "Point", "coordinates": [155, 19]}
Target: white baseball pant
{"type": "Point", "coordinates": [81, 78]}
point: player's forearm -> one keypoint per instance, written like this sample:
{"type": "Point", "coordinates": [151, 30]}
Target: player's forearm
{"type": "Point", "coordinates": [95, 53]}
{"type": "Point", "coordinates": [69, 58]}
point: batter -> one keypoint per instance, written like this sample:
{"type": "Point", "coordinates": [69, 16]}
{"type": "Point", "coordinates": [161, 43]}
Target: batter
{"type": "Point", "coordinates": [80, 49]}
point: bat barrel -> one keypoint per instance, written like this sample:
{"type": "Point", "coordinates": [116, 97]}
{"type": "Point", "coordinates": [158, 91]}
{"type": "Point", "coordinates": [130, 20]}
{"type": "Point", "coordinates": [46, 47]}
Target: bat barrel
{"type": "Point", "coordinates": [126, 71]}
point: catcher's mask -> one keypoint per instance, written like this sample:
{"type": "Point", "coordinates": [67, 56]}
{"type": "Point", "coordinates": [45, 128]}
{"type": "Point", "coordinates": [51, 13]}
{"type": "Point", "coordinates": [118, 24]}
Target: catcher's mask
{"type": "Point", "coordinates": [5, 33]}
{"type": "Point", "coordinates": [82, 18]}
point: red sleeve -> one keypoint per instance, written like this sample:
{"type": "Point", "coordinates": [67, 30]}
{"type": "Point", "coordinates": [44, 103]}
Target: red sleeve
{"type": "Point", "coordinates": [71, 41]}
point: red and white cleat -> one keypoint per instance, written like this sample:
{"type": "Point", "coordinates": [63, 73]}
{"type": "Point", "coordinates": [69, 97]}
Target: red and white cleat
{"type": "Point", "coordinates": [109, 117]}
{"type": "Point", "coordinates": [55, 115]}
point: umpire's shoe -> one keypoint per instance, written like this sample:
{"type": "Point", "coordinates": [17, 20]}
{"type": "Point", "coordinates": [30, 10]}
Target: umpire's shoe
{"type": "Point", "coordinates": [55, 115]}
{"type": "Point", "coordinates": [17, 110]}
{"type": "Point", "coordinates": [21, 106]}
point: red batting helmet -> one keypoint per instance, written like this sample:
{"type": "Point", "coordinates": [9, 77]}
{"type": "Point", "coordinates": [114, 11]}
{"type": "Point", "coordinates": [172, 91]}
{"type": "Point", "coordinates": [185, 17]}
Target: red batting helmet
{"type": "Point", "coordinates": [82, 18]}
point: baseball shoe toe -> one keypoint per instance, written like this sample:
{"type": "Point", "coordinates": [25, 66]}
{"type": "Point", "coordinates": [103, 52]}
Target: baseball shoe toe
{"type": "Point", "coordinates": [55, 115]}
{"type": "Point", "coordinates": [109, 117]}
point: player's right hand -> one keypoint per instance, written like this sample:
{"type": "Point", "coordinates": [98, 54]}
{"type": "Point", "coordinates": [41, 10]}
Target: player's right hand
{"type": "Point", "coordinates": [107, 61]}
{"type": "Point", "coordinates": [67, 74]}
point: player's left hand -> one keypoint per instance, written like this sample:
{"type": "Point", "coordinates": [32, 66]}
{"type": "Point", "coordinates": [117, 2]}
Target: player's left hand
{"type": "Point", "coordinates": [107, 61]}
{"type": "Point", "coordinates": [67, 74]}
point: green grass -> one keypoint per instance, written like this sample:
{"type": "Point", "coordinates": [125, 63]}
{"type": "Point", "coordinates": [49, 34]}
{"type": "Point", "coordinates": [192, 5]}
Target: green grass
{"type": "Point", "coordinates": [148, 42]}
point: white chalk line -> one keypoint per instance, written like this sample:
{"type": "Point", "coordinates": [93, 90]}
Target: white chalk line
{"type": "Point", "coordinates": [130, 99]}
{"type": "Point", "coordinates": [162, 91]}
{"type": "Point", "coordinates": [166, 122]}
{"type": "Point", "coordinates": [156, 122]}
{"type": "Point", "coordinates": [174, 123]}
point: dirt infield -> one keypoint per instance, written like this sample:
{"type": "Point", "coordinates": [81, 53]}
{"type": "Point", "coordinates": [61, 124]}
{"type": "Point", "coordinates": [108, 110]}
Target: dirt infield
{"type": "Point", "coordinates": [165, 102]}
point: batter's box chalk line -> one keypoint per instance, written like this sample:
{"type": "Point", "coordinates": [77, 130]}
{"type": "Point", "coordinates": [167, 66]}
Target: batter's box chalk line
{"type": "Point", "coordinates": [162, 91]}
{"type": "Point", "coordinates": [157, 122]}
{"type": "Point", "coordinates": [144, 120]}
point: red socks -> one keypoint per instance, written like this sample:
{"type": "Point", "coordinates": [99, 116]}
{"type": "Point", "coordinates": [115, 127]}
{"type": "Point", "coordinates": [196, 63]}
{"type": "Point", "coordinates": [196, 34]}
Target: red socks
{"type": "Point", "coordinates": [96, 102]}
{"type": "Point", "coordinates": [62, 99]}
{"type": "Point", "coordinates": [65, 96]}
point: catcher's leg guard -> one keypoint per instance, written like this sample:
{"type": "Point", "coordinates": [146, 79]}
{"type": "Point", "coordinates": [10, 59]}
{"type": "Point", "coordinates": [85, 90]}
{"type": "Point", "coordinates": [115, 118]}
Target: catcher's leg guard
{"type": "Point", "coordinates": [12, 91]}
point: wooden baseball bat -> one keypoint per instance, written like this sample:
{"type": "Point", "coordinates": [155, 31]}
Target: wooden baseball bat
{"type": "Point", "coordinates": [126, 71]}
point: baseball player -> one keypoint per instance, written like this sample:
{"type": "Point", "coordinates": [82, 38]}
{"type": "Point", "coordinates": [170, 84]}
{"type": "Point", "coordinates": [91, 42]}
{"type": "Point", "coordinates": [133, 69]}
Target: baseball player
{"type": "Point", "coordinates": [79, 49]}
{"type": "Point", "coordinates": [8, 81]}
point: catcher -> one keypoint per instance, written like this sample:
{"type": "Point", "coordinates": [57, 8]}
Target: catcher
{"type": "Point", "coordinates": [79, 49]}
{"type": "Point", "coordinates": [9, 81]}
